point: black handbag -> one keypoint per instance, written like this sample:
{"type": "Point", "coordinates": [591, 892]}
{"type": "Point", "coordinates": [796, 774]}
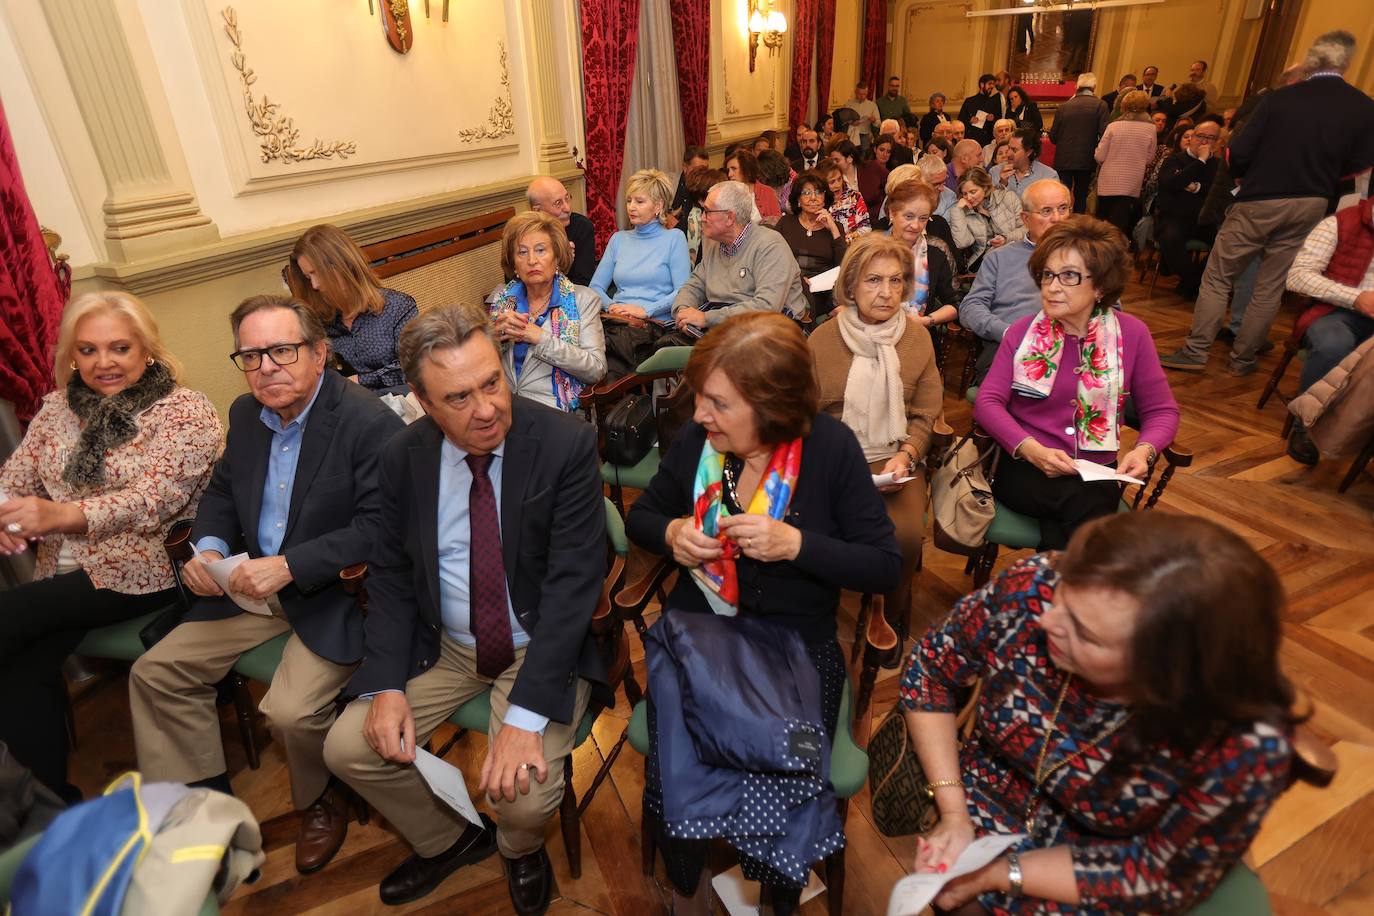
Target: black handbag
{"type": "Point", "coordinates": [630, 430]}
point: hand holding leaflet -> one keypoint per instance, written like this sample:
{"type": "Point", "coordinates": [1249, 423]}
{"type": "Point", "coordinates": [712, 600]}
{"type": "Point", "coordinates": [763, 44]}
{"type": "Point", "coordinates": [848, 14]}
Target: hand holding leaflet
{"type": "Point", "coordinates": [887, 480]}
{"type": "Point", "coordinates": [446, 781]}
{"type": "Point", "coordinates": [1091, 470]}
{"type": "Point", "coordinates": [824, 281]}
{"type": "Point", "coordinates": [914, 893]}
{"type": "Point", "coordinates": [219, 570]}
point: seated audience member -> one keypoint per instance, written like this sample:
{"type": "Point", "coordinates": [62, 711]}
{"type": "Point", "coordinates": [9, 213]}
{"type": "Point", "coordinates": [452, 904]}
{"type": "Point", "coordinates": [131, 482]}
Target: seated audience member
{"type": "Point", "coordinates": [748, 269]}
{"type": "Point", "coordinates": [808, 150]}
{"type": "Point", "coordinates": [693, 157]}
{"type": "Point", "coordinates": [875, 366]}
{"type": "Point", "coordinates": [849, 210]}
{"type": "Point", "coordinates": [881, 152]}
{"type": "Point", "coordinates": [113, 458]}
{"type": "Point", "coordinates": [699, 184]}
{"type": "Point", "coordinates": [1022, 109]}
{"type": "Point", "coordinates": [813, 235]}
{"type": "Point", "coordinates": [1055, 391]}
{"type": "Point", "coordinates": [901, 143]}
{"type": "Point", "coordinates": [1161, 122]}
{"type": "Point", "coordinates": [330, 274]}
{"type": "Point", "coordinates": [763, 141]}
{"type": "Point", "coordinates": [1001, 133]}
{"type": "Point", "coordinates": [475, 583]}
{"type": "Point", "coordinates": [646, 265]}
{"type": "Point", "coordinates": [300, 497]}
{"type": "Point", "coordinates": [934, 171]}
{"type": "Point", "coordinates": [895, 177]}
{"type": "Point", "coordinates": [825, 129]}
{"type": "Point", "coordinates": [984, 217]}
{"type": "Point", "coordinates": [1178, 139]}
{"type": "Point", "coordinates": [954, 132]}
{"type": "Point", "coordinates": [934, 117]}
{"type": "Point", "coordinates": [547, 195]}
{"type": "Point", "coordinates": [863, 175]}
{"type": "Point", "coordinates": [776, 172]}
{"type": "Point", "coordinates": [1001, 155]}
{"type": "Point", "coordinates": [726, 505]}
{"type": "Point", "coordinates": [967, 155]}
{"type": "Point", "coordinates": [1139, 781]}
{"type": "Point", "coordinates": [1024, 168]}
{"type": "Point", "coordinates": [1124, 154]}
{"type": "Point", "coordinates": [932, 298]}
{"type": "Point", "coordinates": [1123, 88]}
{"type": "Point", "coordinates": [1333, 267]}
{"type": "Point", "coordinates": [742, 166]}
{"type": "Point", "coordinates": [549, 330]}
{"type": "Point", "coordinates": [1184, 180]}
{"type": "Point", "coordinates": [940, 148]}
{"type": "Point", "coordinates": [1004, 289]}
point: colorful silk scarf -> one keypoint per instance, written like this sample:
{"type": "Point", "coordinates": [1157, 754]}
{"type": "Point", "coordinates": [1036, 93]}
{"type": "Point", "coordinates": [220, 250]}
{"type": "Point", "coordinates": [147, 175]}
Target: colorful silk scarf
{"type": "Point", "coordinates": [564, 324]}
{"type": "Point", "coordinates": [1101, 384]}
{"type": "Point", "coordinates": [716, 578]}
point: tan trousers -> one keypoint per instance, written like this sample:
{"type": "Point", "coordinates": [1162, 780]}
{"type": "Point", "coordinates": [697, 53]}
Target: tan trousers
{"type": "Point", "coordinates": [172, 695]}
{"type": "Point", "coordinates": [401, 794]}
{"type": "Point", "coordinates": [907, 509]}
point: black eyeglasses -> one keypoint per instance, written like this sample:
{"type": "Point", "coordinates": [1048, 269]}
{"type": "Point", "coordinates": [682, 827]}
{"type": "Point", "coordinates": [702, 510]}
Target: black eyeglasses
{"type": "Point", "coordinates": [283, 354]}
{"type": "Point", "coordinates": [1065, 277]}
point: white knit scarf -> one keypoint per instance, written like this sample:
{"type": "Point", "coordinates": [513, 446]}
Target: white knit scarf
{"type": "Point", "coordinates": [873, 404]}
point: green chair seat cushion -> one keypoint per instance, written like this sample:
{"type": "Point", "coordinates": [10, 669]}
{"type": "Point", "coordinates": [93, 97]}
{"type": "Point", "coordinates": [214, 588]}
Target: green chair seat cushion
{"type": "Point", "coordinates": [665, 359]}
{"type": "Point", "coordinates": [848, 761]}
{"type": "Point", "coordinates": [1014, 530]}
{"type": "Point", "coordinates": [118, 641]}
{"type": "Point", "coordinates": [1240, 893]}
{"type": "Point", "coordinates": [475, 716]}
{"type": "Point", "coordinates": [971, 395]}
{"type": "Point", "coordinates": [1196, 245]}
{"type": "Point", "coordinates": [636, 476]}
{"type": "Point", "coordinates": [615, 529]}
{"type": "Point", "coordinates": [260, 663]}
{"type": "Point", "coordinates": [10, 860]}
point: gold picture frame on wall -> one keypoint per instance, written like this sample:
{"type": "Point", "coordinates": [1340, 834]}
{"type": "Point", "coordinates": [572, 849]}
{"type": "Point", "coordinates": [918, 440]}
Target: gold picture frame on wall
{"type": "Point", "coordinates": [1051, 49]}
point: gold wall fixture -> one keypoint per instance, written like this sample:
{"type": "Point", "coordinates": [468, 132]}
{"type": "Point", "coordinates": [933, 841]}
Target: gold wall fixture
{"type": "Point", "coordinates": [767, 25]}
{"type": "Point", "coordinates": [396, 27]}
{"type": "Point", "coordinates": [278, 135]}
{"type": "Point", "coordinates": [501, 119]}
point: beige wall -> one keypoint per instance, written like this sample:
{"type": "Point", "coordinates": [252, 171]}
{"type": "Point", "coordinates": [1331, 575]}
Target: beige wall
{"type": "Point", "coordinates": [1320, 16]}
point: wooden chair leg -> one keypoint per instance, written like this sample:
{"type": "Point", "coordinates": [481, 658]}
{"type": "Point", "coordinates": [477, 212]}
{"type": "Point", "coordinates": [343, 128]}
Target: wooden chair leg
{"type": "Point", "coordinates": [1276, 376]}
{"type": "Point", "coordinates": [1287, 427]}
{"type": "Point", "coordinates": [244, 711]}
{"type": "Point", "coordinates": [984, 561]}
{"type": "Point", "coordinates": [448, 745]}
{"type": "Point", "coordinates": [648, 844]}
{"type": "Point", "coordinates": [860, 625]}
{"type": "Point", "coordinates": [570, 821]}
{"type": "Point", "coordinates": [834, 871]}
{"type": "Point", "coordinates": [1361, 460]}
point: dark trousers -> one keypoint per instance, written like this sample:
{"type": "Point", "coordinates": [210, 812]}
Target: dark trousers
{"type": "Point", "coordinates": [1172, 235]}
{"type": "Point", "coordinates": [1078, 181]}
{"type": "Point", "coordinates": [1330, 339]}
{"type": "Point", "coordinates": [1120, 211]}
{"type": "Point", "coordinates": [1060, 504]}
{"type": "Point", "coordinates": [41, 625]}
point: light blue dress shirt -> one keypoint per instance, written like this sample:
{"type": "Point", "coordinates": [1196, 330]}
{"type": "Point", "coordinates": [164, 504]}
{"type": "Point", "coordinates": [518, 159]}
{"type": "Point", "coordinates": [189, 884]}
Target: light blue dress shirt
{"type": "Point", "coordinates": [282, 456]}
{"type": "Point", "coordinates": [1038, 170]}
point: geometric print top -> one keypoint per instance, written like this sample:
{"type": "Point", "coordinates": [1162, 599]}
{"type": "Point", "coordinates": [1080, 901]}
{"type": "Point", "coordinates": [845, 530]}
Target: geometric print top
{"type": "Point", "coordinates": [1150, 830]}
{"type": "Point", "coordinates": [370, 345]}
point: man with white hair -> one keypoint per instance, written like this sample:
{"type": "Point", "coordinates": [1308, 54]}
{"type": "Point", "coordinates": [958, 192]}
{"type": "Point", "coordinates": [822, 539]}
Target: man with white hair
{"type": "Point", "coordinates": [548, 195]}
{"type": "Point", "coordinates": [901, 153]}
{"type": "Point", "coordinates": [750, 268]}
{"type": "Point", "coordinates": [934, 171]}
{"type": "Point", "coordinates": [1078, 125]}
{"type": "Point", "coordinates": [1286, 188]}
{"type": "Point", "coordinates": [1002, 130]}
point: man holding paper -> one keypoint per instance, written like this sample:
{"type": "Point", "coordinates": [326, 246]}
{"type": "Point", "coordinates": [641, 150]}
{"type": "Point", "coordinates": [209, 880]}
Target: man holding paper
{"type": "Point", "coordinates": [486, 572]}
{"type": "Point", "coordinates": [295, 494]}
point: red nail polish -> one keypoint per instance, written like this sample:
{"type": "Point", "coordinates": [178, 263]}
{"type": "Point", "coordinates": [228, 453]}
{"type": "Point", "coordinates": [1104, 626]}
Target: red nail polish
{"type": "Point", "coordinates": [943, 868]}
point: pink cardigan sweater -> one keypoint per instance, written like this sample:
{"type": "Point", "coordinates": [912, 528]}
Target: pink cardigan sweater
{"type": "Point", "coordinates": [1124, 151]}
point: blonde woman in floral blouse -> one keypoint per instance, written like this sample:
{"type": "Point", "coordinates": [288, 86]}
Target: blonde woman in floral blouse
{"type": "Point", "coordinates": [114, 457]}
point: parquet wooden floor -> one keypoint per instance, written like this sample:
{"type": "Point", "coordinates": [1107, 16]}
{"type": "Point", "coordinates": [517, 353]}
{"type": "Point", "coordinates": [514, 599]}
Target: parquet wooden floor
{"type": "Point", "coordinates": [1315, 853]}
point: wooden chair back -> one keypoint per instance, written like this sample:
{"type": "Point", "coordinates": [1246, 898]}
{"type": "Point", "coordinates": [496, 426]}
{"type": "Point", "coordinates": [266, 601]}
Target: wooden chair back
{"type": "Point", "coordinates": [455, 262]}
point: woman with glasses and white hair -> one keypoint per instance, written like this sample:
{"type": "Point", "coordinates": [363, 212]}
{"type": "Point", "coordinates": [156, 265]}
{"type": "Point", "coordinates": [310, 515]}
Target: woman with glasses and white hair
{"type": "Point", "coordinates": [116, 455]}
{"type": "Point", "coordinates": [1057, 388]}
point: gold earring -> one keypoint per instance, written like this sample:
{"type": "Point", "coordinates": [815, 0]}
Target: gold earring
{"type": "Point", "coordinates": [73, 365]}
{"type": "Point", "coordinates": [151, 361]}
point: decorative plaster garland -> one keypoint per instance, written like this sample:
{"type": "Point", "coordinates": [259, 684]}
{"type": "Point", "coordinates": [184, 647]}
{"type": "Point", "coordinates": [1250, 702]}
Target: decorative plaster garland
{"type": "Point", "coordinates": [279, 136]}
{"type": "Point", "coordinates": [501, 118]}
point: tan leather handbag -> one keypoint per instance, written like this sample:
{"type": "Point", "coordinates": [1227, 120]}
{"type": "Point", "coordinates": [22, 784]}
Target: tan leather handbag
{"type": "Point", "coordinates": [961, 497]}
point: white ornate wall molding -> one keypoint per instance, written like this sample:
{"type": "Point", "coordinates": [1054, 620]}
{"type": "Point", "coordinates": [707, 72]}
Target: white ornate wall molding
{"type": "Point", "coordinates": [500, 121]}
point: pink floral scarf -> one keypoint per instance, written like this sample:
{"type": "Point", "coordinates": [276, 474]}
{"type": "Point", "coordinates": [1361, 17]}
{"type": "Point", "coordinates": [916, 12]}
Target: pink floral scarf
{"type": "Point", "coordinates": [1101, 389]}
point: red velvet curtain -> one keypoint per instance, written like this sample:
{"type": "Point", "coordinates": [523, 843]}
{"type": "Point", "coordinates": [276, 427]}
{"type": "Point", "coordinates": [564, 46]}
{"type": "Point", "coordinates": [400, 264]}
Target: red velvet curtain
{"type": "Point", "coordinates": [692, 48]}
{"type": "Point", "coordinates": [804, 41]}
{"type": "Point", "coordinates": [825, 52]}
{"type": "Point", "coordinates": [610, 40]}
{"type": "Point", "coordinates": [31, 293]}
{"type": "Point", "coordinates": [874, 66]}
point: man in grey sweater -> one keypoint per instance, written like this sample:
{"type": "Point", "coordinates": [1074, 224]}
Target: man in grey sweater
{"type": "Point", "coordinates": [750, 268]}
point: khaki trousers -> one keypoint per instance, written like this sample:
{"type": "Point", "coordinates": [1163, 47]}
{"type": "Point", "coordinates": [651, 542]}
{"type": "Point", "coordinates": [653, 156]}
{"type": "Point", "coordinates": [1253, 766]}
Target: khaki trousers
{"type": "Point", "coordinates": [906, 508]}
{"type": "Point", "coordinates": [172, 696]}
{"type": "Point", "coordinates": [401, 794]}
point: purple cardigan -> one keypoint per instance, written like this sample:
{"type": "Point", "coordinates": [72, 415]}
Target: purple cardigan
{"type": "Point", "coordinates": [1010, 418]}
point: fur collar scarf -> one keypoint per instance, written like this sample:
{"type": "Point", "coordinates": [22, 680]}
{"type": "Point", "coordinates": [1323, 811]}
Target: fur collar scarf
{"type": "Point", "coordinates": [109, 422]}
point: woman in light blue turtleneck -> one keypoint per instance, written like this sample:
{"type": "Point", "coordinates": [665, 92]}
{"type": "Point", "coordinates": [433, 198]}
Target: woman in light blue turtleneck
{"type": "Point", "coordinates": [645, 265]}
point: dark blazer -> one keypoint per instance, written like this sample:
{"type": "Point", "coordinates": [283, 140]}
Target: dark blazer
{"type": "Point", "coordinates": [553, 527]}
{"type": "Point", "coordinates": [1078, 125]}
{"type": "Point", "coordinates": [798, 162]}
{"type": "Point", "coordinates": [582, 233]}
{"type": "Point", "coordinates": [931, 120]}
{"type": "Point", "coordinates": [847, 537]}
{"type": "Point", "coordinates": [332, 522]}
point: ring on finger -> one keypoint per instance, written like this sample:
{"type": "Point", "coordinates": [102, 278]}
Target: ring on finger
{"type": "Point", "coordinates": [14, 527]}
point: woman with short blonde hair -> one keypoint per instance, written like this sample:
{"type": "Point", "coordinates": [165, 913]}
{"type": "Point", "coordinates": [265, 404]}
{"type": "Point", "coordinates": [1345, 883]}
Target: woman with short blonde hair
{"type": "Point", "coordinates": [330, 274]}
{"type": "Point", "coordinates": [115, 457]}
{"type": "Point", "coordinates": [1125, 152]}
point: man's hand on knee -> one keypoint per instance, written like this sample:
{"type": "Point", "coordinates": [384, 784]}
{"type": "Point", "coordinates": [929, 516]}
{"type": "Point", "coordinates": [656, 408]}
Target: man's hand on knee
{"type": "Point", "coordinates": [513, 757]}
{"type": "Point", "coordinates": [390, 728]}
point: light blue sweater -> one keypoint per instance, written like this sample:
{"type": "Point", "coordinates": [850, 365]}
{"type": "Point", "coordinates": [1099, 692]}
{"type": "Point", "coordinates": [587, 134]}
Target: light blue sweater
{"type": "Point", "coordinates": [647, 265]}
{"type": "Point", "coordinates": [1002, 292]}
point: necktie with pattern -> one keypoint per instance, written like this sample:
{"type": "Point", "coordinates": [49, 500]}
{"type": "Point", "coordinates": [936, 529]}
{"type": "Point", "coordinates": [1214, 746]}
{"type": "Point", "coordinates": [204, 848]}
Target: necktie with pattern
{"type": "Point", "coordinates": [487, 575]}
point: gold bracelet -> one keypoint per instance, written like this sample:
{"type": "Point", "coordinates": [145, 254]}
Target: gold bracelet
{"type": "Point", "coordinates": [942, 784]}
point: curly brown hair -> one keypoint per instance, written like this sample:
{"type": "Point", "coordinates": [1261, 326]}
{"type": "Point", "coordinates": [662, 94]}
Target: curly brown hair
{"type": "Point", "coordinates": [1101, 246]}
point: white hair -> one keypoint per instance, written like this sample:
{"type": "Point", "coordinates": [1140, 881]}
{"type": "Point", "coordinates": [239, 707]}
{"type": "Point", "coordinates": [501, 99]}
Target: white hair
{"type": "Point", "coordinates": [1087, 81]}
{"type": "Point", "coordinates": [1331, 51]}
{"type": "Point", "coordinates": [737, 197]}
{"type": "Point", "coordinates": [933, 169]}
{"type": "Point", "coordinates": [903, 173]}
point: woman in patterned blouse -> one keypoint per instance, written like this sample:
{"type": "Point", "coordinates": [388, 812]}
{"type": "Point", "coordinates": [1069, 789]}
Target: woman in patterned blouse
{"type": "Point", "coordinates": [114, 457]}
{"type": "Point", "coordinates": [1133, 720]}
{"type": "Point", "coordinates": [849, 209]}
{"type": "Point", "coordinates": [330, 274]}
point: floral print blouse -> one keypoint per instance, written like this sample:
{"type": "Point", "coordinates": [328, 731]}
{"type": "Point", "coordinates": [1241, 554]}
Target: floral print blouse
{"type": "Point", "coordinates": [851, 213]}
{"type": "Point", "coordinates": [151, 482]}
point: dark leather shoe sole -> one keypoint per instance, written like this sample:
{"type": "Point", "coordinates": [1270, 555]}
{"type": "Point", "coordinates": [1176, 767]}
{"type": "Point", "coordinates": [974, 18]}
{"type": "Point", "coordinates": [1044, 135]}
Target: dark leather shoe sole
{"type": "Point", "coordinates": [531, 900]}
{"type": "Point", "coordinates": [439, 868]}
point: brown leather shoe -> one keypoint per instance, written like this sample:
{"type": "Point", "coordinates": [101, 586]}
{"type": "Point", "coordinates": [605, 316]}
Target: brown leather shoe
{"type": "Point", "coordinates": [323, 828]}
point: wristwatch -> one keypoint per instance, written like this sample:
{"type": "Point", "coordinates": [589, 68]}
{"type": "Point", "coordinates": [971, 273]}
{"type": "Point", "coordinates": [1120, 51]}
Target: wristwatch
{"type": "Point", "coordinates": [1014, 876]}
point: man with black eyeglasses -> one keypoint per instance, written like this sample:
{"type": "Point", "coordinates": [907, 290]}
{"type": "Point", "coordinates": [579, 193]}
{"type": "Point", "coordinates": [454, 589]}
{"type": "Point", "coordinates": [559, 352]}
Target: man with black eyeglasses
{"type": "Point", "coordinates": [296, 489]}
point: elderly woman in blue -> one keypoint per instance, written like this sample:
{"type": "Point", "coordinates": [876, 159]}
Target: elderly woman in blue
{"type": "Point", "coordinates": [549, 330]}
{"type": "Point", "coordinates": [645, 265]}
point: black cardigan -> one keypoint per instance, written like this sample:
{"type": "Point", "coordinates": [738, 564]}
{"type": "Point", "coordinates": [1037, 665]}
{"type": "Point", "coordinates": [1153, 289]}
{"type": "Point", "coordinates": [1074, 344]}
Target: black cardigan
{"type": "Point", "coordinates": [847, 537]}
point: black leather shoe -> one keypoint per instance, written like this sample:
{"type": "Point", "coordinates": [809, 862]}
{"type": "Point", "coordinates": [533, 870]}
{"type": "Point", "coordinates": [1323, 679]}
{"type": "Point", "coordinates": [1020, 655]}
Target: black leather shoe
{"type": "Point", "coordinates": [1300, 447]}
{"type": "Point", "coordinates": [417, 876]}
{"type": "Point", "coordinates": [531, 882]}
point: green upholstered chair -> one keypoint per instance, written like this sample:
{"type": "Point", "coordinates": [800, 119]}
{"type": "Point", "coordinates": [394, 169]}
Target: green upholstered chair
{"type": "Point", "coordinates": [1240, 893]}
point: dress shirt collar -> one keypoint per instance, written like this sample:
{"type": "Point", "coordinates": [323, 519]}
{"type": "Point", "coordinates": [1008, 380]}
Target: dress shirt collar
{"type": "Point", "coordinates": [453, 456]}
{"type": "Point", "coordinates": [733, 248]}
{"type": "Point", "coordinates": [272, 420]}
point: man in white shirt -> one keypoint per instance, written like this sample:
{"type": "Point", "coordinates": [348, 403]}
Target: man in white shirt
{"type": "Point", "coordinates": [861, 131]}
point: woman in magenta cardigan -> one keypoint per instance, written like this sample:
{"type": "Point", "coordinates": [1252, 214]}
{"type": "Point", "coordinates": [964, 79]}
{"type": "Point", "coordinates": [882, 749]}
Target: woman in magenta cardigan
{"type": "Point", "coordinates": [1057, 388]}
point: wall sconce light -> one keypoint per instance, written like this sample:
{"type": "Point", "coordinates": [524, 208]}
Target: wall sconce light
{"type": "Point", "coordinates": [767, 25]}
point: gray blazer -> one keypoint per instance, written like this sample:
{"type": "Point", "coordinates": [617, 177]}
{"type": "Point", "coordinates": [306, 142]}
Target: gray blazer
{"type": "Point", "coordinates": [1078, 125]}
{"type": "Point", "coordinates": [585, 361]}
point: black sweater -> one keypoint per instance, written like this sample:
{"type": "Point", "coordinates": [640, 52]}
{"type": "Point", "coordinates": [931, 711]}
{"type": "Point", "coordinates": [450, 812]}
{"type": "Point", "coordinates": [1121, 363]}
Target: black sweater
{"type": "Point", "coordinates": [1302, 139]}
{"type": "Point", "coordinates": [847, 537]}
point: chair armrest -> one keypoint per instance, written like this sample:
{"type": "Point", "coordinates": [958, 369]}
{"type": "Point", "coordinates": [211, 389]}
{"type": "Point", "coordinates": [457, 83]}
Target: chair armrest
{"type": "Point", "coordinates": [1313, 760]}
{"type": "Point", "coordinates": [353, 578]}
{"type": "Point", "coordinates": [632, 598]}
{"type": "Point", "coordinates": [602, 618]}
{"type": "Point", "coordinates": [879, 635]}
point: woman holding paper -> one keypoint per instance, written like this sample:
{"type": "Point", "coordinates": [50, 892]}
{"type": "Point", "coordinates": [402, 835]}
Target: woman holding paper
{"type": "Point", "coordinates": [1056, 392]}
{"type": "Point", "coordinates": [816, 240]}
{"type": "Point", "coordinates": [114, 457]}
{"type": "Point", "coordinates": [1133, 721]}
{"type": "Point", "coordinates": [876, 369]}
